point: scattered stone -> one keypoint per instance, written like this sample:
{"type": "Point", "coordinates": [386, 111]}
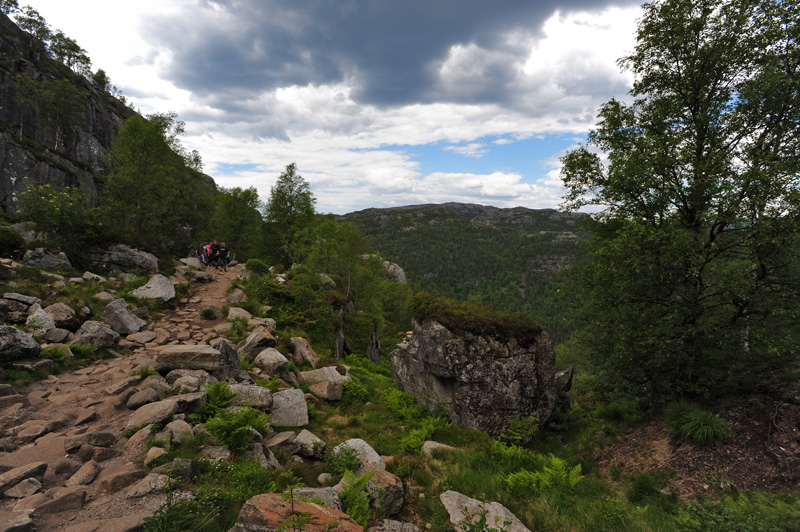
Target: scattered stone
{"type": "Point", "coordinates": [99, 439]}
{"type": "Point", "coordinates": [430, 446]}
{"type": "Point", "coordinates": [105, 296]}
{"type": "Point", "coordinates": [152, 454]}
{"type": "Point", "coordinates": [16, 345]}
{"type": "Point", "coordinates": [286, 440]}
{"type": "Point", "coordinates": [238, 312]}
{"type": "Point", "coordinates": [215, 453]}
{"type": "Point", "coordinates": [72, 500]}
{"type": "Point", "coordinates": [271, 361]}
{"type": "Point", "coordinates": [158, 287]}
{"type": "Point", "coordinates": [158, 412]}
{"type": "Point", "coordinates": [310, 445]}
{"type": "Point", "coordinates": [254, 395]}
{"type": "Point", "coordinates": [85, 475]}
{"type": "Point", "coordinates": [66, 466]}
{"type": "Point", "coordinates": [180, 468]}
{"type": "Point", "coordinates": [26, 488]}
{"type": "Point", "coordinates": [96, 335]}
{"type": "Point", "coordinates": [455, 503]}
{"type": "Point", "coordinates": [142, 397]}
{"type": "Point", "coordinates": [303, 352]}
{"type": "Point", "coordinates": [324, 479]}
{"type": "Point", "coordinates": [328, 496]}
{"type": "Point", "coordinates": [150, 484]}
{"type": "Point", "coordinates": [236, 296]}
{"type": "Point", "coordinates": [369, 458]}
{"type": "Point", "coordinates": [117, 481]}
{"type": "Point", "coordinates": [94, 278]}
{"type": "Point", "coordinates": [335, 374]}
{"type": "Point", "coordinates": [289, 408]}
{"type": "Point", "coordinates": [331, 391]}
{"type": "Point", "coordinates": [387, 525]}
{"type": "Point", "coordinates": [268, 511]}
{"type": "Point", "coordinates": [64, 317]}
{"type": "Point", "coordinates": [11, 478]}
{"type": "Point", "coordinates": [122, 320]}
{"type": "Point", "coordinates": [256, 342]}
{"type": "Point", "coordinates": [386, 490]}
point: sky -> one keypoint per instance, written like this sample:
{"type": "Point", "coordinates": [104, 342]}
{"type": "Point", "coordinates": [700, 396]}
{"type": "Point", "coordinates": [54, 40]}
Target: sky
{"type": "Point", "coordinates": [380, 103]}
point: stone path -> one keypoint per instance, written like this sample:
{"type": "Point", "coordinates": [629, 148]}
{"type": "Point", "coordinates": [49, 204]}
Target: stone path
{"type": "Point", "coordinates": [81, 412]}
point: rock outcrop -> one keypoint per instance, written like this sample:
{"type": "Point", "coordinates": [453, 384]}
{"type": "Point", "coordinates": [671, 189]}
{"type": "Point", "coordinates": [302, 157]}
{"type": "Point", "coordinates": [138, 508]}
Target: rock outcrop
{"type": "Point", "coordinates": [482, 381]}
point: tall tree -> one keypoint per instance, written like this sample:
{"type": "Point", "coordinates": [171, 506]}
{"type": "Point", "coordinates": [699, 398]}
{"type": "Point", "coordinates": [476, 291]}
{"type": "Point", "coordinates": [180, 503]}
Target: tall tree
{"type": "Point", "coordinates": [694, 257]}
{"type": "Point", "coordinates": [290, 208]}
{"type": "Point", "coordinates": [151, 194]}
{"type": "Point", "coordinates": [237, 221]}
{"type": "Point", "coordinates": [9, 6]}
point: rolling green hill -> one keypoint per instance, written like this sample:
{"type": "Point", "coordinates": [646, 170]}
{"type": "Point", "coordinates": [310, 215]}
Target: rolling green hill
{"type": "Point", "coordinates": [507, 257]}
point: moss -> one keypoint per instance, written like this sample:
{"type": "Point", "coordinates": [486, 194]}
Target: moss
{"type": "Point", "coordinates": [475, 318]}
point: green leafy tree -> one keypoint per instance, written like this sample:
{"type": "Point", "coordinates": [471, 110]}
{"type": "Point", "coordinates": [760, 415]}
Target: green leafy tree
{"type": "Point", "coordinates": [62, 216]}
{"type": "Point", "coordinates": [289, 210]}
{"type": "Point", "coordinates": [67, 50]}
{"type": "Point", "coordinates": [151, 194]}
{"type": "Point", "coordinates": [9, 6]}
{"type": "Point", "coordinates": [237, 221]}
{"type": "Point", "coordinates": [693, 265]}
{"type": "Point", "coordinates": [101, 81]}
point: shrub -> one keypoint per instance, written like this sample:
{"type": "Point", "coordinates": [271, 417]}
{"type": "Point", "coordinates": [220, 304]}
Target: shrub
{"type": "Point", "coordinates": [82, 350]}
{"type": "Point", "coordinates": [208, 313]}
{"type": "Point", "coordinates": [520, 430]}
{"type": "Point", "coordinates": [257, 266]}
{"type": "Point", "coordinates": [219, 397]}
{"type": "Point", "coordinates": [234, 429]}
{"type": "Point", "coordinates": [11, 243]}
{"type": "Point", "coordinates": [345, 459]}
{"type": "Point", "coordinates": [690, 422]}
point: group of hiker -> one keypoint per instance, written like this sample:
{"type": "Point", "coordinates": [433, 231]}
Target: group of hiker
{"type": "Point", "coordinates": [213, 254]}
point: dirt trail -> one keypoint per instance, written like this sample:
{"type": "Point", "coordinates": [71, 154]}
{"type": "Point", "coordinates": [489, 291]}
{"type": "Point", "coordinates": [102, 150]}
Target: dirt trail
{"type": "Point", "coordinates": [63, 410]}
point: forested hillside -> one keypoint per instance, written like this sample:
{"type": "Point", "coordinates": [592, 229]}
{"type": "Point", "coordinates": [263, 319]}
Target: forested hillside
{"type": "Point", "coordinates": [510, 258]}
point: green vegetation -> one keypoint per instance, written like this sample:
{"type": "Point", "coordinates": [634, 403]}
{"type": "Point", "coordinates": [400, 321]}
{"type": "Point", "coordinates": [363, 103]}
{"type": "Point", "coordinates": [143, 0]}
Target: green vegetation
{"type": "Point", "coordinates": [693, 266]}
{"type": "Point", "coordinates": [476, 318]}
{"type": "Point", "coordinates": [692, 423]}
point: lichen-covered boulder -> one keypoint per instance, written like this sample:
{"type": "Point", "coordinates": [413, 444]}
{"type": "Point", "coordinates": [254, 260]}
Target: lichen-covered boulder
{"type": "Point", "coordinates": [482, 381]}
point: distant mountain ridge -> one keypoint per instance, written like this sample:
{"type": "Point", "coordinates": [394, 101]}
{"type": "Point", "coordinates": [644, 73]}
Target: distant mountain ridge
{"type": "Point", "coordinates": [507, 257]}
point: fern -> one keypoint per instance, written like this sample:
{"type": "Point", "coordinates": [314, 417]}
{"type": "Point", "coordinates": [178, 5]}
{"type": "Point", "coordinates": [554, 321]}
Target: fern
{"type": "Point", "coordinates": [556, 478]}
{"type": "Point", "coordinates": [354, 497]}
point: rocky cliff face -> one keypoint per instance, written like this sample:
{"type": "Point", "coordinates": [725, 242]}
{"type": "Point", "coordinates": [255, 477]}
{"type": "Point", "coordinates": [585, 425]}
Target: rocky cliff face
{"type": "Point", "coordinates": [481, 381]}
{"type": "Point", "coordinates": [28, 150]}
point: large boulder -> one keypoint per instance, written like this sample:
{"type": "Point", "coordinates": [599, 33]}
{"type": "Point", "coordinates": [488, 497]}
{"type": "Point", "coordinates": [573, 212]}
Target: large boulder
{"type": "Point", "coordinates": [222, 362]}
{"type": "Point", "coordinates": [269, 512]}
{"type": "Point", "coordinates": [158, 287]}
{"type": "Point", "coordinates": [120, 258]}
{"type": "Point", "coordinates": [16, 345]}
{"type": "Point", "coordinates": [96, 334]}
{"type": "Point", "coordinates": [121, 319]}
{"type": "Point", "coordinates": [482, 381]}
{"type": "Point", "coordinates": [460, 507]}
{"type": "Point", "coordinates": [63, 316]}
{"type": "Point", "coordinates": [289, 408]}
{"type": "Point", "coordinates": [46, 258]}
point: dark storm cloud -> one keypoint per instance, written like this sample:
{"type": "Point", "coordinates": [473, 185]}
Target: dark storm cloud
{"type": "Point", "coordinates": [388, 50]}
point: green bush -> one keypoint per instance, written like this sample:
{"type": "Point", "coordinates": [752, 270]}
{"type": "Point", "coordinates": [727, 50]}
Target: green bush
{"type": "Point", "coordinates": [11, 244]}
{"type": "Point", "coordinates": [345, 459]}
{"type": "Point", "coordinates": [257, 266]}
{"type": "Point", "coordinates": [219, 397]}
{"type": "Point", "coordinates": [208, 313]}
{"type": "Point", "coordinates": [402, 404]}
{"type": "Point", "coordinates": [412, 443]}
{"type": "Point", "coordinates": [690, 422]}
{"type": "Point", "coordinates": [233, 429]}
